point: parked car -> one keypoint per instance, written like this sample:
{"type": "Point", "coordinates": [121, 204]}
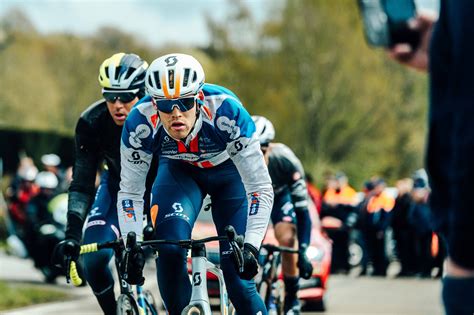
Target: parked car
{"type": "Point", "coordinates": [312, 291]}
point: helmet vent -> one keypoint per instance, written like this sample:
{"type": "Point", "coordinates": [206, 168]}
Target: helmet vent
{"type": "Point", "coordinates": [156, 76]}
{"type": "Point", "coordinates": [171, 79]}
{"type": "Point", "coordinates": [117, 72]}
{"type": "Point", "coordinates": [129, 72]}
{"type": "Point", "coordinates": [194, 77]}
{"type": "Point", "coordinates": [186, 76]}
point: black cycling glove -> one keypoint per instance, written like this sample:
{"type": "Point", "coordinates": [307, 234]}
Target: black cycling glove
{"type": "Point", "coordinates": [304, 265]}
{"type": "Point", "coordinates": [250, 255]}
{"type": "Point", "coordinates": [64, 251]}
{"type": "Point", "coordinates": [131, 266]}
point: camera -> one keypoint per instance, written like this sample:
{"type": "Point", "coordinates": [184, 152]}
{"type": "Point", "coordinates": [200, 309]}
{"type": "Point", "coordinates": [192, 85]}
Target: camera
{"type": "Point", "coordinates": [386, 22]}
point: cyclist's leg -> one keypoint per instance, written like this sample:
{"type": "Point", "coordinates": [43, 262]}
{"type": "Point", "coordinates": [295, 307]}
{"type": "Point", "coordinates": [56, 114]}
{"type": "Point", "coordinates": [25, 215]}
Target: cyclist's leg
{"type": "Point", "coordinates": [229, 207]}
{"type": "Point", "coordinates": [176, 198]}
{"type": "Point", "coordinates": [284, 221]}
{"type": "Point", "coordinates": [102, 226]}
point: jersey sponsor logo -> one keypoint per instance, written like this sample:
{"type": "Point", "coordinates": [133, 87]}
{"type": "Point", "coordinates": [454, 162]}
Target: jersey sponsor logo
{"type": "Point", "coordinates": [95, 222]}
{"type": "Point", "coordinates": [254, 203]}
{"type": "Point", "coordinates": [177, 207]}
{"type": "Point", "coordinates": [177, 215]}
{"type": "Point", "coordinates": [136, 159]}
{"type": "Point", "coordinates": [141, 132]}
{"type": "Point", "coordinates": [94, 211]}
{"type": "Point", "coordinates": [228, 125]}
{"type": "Point", "coordinates": [127, 207]}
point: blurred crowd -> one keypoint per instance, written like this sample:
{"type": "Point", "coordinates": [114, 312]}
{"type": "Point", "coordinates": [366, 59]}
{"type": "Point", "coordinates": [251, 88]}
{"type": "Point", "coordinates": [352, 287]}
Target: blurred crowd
{"type": "Point", "coordinates": [369, 228]}
{"type": "Point", "coordinates": [36, 202]}
{"type": "Point", "coordinates": [379, 225]}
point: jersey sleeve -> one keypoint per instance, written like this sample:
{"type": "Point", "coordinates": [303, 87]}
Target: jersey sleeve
{"type": "Point", "coordinates": [236, 127]}
{"type": "Point", "coordinates": [136, 152]}
{"type": "Point", "coordinates": [82, 189]}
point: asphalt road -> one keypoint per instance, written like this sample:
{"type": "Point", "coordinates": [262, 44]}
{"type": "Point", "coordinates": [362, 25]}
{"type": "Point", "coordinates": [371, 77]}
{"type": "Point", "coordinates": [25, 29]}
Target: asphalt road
{"type": "Point", "coordinates": [345, 295]}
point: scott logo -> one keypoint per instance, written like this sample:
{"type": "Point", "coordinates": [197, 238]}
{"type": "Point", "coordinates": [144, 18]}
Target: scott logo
{"type": "Point", "coordinates": [197, 279]}
{"type": "Point", "coordinates": [171, 61]}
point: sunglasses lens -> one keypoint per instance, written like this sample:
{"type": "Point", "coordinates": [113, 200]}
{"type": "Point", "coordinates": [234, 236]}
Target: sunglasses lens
{"type": "Point", "coordinates": [167, 106]}
{"type": "Point", "coordinates": [123, 97]}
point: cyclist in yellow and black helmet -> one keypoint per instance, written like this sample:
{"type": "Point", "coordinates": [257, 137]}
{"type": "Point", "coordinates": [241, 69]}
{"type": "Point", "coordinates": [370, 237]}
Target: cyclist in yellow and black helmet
{"type": "Point", "coordinates": [97, 138]}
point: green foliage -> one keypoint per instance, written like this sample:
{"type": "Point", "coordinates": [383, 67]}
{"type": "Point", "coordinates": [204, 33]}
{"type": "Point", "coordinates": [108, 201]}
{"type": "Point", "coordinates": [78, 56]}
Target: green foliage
{"type": "Point", "coordinates": [338, 103]}
{"type": "Point", "coordinates": [14, 296]}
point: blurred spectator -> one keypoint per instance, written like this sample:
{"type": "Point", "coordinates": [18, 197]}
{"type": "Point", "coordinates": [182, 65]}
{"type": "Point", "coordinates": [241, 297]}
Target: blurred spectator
{"type": "Point", "coordinates": [39, 246]}
{"type": "Point", "coordinates": [338, 205]}
{"type": "Point", "coordinates": [374, 220]}
{"type": "Point", "coordinates": [403, 231]}
{"type": "Point", "coordinates": [313, 192]}
{"type": "Point", "coordinates": [51, 163]}
{"type": "Point", "coordinates": [420, 218]}
{"type": "Point", "coordinates": [21, 190]}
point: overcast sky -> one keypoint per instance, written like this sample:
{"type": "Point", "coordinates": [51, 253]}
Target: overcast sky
{"type": "Point", "coordinates": [180, 21]}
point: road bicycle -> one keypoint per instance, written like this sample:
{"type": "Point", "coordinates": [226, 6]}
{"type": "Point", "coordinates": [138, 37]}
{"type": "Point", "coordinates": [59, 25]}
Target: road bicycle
{"type": "Point", "coordinates": [128, 302]}
{"type": "Point", "coordinates": [269, 286]}
{"type": "Point", "coordinates": [199, 303]}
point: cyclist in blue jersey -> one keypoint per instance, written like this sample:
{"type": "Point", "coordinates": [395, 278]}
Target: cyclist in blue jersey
{"type": "Point", "coordinates": [97, 137]}
{"type": "Point", "coordinates": [290, 215]}
{"type": "Point", "coordinates": [203, 137]}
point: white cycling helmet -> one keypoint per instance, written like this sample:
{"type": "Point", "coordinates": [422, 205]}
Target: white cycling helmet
{"type": "Point", "coordinates": [265, 132]}
{"type": "Point", "coordinates": [46, 180]}
{"type": "Point", "coordinates": [174, 76]}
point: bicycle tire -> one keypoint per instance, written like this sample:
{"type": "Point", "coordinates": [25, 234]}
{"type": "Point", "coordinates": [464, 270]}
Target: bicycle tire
{"type": "Point", "coordinates": [151, 306]}
{"type": "Point", "coordinates": [193, 310]}
{"type": "Point", "coordinates": [126, 305]}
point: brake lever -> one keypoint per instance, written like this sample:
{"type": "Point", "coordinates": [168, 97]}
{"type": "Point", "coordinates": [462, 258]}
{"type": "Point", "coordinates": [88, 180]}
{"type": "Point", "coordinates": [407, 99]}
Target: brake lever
{"type": "Point", "coordinates": [68, 268]}
{"type": "Point", "coordinates": [236, 243]}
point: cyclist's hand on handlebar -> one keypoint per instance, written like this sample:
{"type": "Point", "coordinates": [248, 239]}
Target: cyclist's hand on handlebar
{"type": "Point", "coordinates": [132, 265]}
{"type": "Point", "coordinates": [66, 251]}
{"type": "Point", "coordinates": [304, 265]}
{"type": "Point", "coordinates": [250, 255]}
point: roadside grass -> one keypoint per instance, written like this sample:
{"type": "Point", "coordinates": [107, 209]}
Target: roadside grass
{"type": "Point", "coordinates": [13, 296]}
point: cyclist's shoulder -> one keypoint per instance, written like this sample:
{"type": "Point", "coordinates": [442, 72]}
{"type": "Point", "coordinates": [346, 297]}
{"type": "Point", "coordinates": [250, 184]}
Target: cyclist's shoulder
{"type": "Point", "coordinates": [280, 150]}
{"type": "Point", "coordinates": [220, 99]}
{"type": "Point", "coordinates": [94, 111]}
{"type": "Point", "coordinates": [94, 116]}
{"type": "Point", "coordinates": [143, 113]}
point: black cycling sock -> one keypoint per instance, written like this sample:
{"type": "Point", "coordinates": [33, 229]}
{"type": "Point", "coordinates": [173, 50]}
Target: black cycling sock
{"type": "Point", "coordinates": [107, 301]}
{"type": "Point", "coordinates": [458, 295]}
{"type": "Point", "coordinates": [291, 290]}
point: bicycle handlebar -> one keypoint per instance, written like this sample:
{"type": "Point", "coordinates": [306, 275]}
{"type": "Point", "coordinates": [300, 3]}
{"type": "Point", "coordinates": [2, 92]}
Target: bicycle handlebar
{"type": "Point", "coordinates": [236, 243]}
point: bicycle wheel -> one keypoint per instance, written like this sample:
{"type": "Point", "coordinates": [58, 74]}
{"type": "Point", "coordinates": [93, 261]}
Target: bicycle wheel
{"type": "Point", "coordinates": [193, 310]}
{"type": "Point", "coordinates": [126, 305]}
{"type": "Point", "coordinates": [151, 307]}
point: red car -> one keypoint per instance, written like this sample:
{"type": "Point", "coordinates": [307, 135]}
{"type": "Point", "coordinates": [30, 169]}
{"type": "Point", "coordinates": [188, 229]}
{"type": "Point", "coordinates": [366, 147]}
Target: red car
{"type": "Point", "coordinates": [312, 291]}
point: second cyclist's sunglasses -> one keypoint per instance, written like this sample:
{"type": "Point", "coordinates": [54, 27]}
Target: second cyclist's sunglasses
{"type": "Point", "coordinates": [167, 106]}
{"type": "Point", "coordinates": [123, 96]}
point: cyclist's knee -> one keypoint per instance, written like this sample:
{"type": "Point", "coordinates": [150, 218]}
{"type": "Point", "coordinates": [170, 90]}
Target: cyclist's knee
{"type": "Point", "coordinates": [97, 271]}
{"type": "Point", "coordinates": [285, 234]}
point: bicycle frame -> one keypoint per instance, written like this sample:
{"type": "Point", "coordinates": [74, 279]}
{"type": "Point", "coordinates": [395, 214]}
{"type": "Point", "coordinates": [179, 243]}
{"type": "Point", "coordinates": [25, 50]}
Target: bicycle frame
{"type": "Point", "coordinates": [268, 281]}
{"type": "Point", "coordinates": [199, 295]}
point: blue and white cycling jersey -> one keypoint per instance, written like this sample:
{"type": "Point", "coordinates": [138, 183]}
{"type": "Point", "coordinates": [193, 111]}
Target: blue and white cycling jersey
{"type": "Point", "coordinates": [223, 130]}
